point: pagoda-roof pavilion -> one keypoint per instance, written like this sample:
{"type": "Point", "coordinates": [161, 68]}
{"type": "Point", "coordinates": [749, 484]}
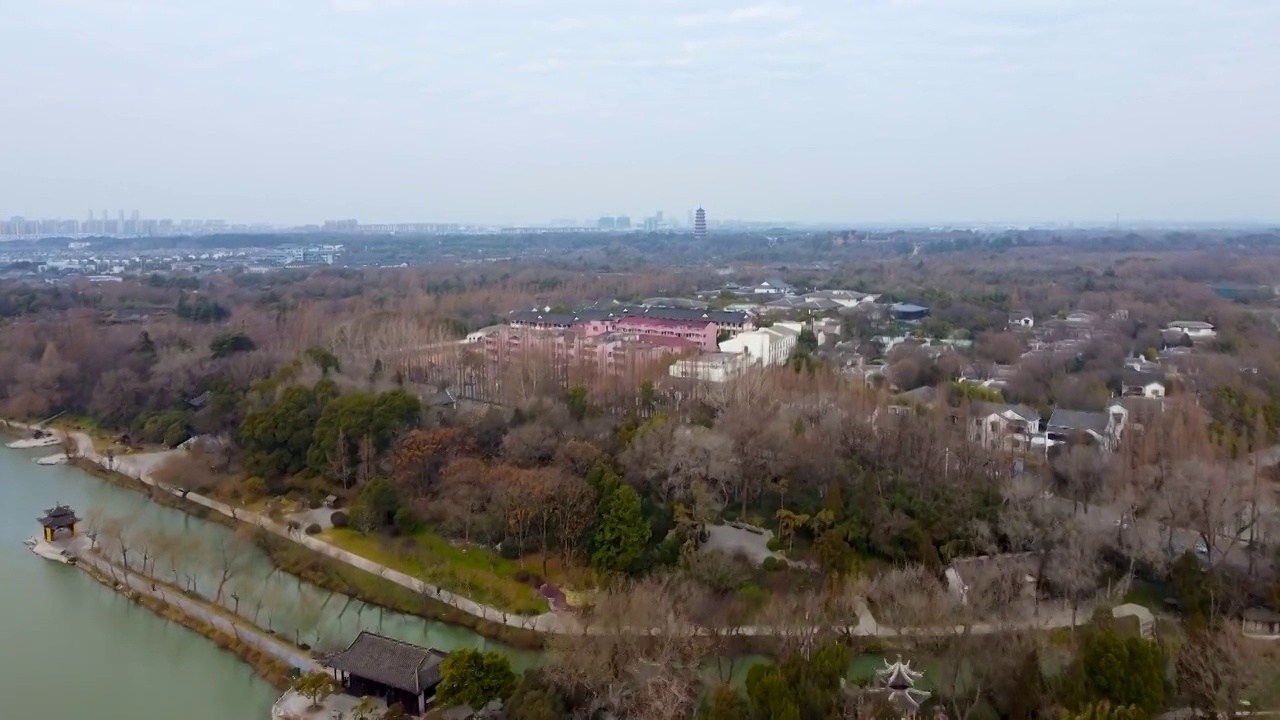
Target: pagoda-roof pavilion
{"type": "Point", "coordinates": [898, 685]}
{"type": "Point", "coordinates": [59, 517]}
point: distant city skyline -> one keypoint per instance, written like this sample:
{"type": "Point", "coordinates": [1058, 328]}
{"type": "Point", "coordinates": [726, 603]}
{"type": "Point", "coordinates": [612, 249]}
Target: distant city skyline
{"type": "Point", "coordinates": [516, 111]}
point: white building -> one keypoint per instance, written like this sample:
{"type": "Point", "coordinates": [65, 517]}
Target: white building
{"type": "Point", "coordinates": [710, 367]}
{"type": "Point", "coordinates": [767, 346]}
{"type": "Point", "coordinates": [1194, 329]}
{"type": "Point", "coordinates": [773, 287]}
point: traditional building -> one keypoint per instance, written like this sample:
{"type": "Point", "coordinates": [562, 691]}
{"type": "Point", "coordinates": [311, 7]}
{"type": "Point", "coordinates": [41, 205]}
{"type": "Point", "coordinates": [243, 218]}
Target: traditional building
{"type": "Point", "coordinates": [898, 684]}
{"type": "Point", "coordinates": [58, 520]}
{"type": "Point", "coordinates": [392, 670]}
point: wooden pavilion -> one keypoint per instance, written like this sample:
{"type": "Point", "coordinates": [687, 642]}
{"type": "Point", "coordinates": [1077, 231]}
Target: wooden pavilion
{"type": "Point", "coordinates": [58, 520]}
{"type": "Point", "coordinates": [393, 670]}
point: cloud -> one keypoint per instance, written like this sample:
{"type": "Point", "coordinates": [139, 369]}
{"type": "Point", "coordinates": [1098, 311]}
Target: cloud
{"type": "Point", "coordinates": [549, 65]}
{"type": "Point", "coordinates": [764, 13]}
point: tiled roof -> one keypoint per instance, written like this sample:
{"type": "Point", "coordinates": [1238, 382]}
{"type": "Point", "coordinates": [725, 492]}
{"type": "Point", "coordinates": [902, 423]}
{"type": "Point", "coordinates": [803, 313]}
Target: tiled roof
{"type": "Point", "coordinates": [1080, 420]}
{"type": "Point", "coordinates": [720, 317]}
{"type": "Point", "coordinates": [393, 663]}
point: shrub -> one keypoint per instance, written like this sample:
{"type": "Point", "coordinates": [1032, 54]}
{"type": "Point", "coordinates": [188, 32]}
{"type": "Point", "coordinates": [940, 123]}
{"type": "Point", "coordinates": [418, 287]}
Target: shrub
{"type": "Point", "coordinates": [774, 544]}
{"type": "Point", "coordinates": [340, 519]}
{"type": "Point", "coordinates": [405, 522]}
{"type": "Point", "coordinates": [753, 595]}
{"type": "Point", "coordinates": [771, 564]}
{"type": "Point", "coordinates": [313, 529]}
{"type": "Point", "coordinates": [254, 488]}
{"type": "Point", "coordinates": [521, 575]}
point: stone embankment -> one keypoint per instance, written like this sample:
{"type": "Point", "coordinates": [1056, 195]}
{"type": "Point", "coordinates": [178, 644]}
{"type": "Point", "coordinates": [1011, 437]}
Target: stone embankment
{"type": "Point", "coordinates": [237, 634]}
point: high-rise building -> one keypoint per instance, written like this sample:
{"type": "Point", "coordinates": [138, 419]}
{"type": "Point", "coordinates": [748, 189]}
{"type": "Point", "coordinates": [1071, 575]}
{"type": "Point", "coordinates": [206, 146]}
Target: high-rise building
{"type": "Point", "coordinates": [700, 224]}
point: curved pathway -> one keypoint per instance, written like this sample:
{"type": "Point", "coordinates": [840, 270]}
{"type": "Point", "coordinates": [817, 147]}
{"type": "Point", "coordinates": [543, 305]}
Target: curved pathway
{"type": "Point", "coordinates": [141, 466]}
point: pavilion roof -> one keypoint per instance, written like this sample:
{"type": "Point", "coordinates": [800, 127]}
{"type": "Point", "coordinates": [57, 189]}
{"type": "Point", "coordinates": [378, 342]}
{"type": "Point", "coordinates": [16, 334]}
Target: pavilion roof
{"type": "Point", "coordinates": [393, 663]}
{"type": "Point", "coordinates": [59, 517]}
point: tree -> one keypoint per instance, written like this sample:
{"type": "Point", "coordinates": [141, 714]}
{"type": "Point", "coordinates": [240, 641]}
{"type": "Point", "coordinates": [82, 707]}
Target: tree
{"type": "Point", "coordinates": [356, 416]}
{"type": "Point", "coordinates": [316, 686]}
{"type": "Point", "coordinates": [1216, 668]}
{"type": "Point", "coordinates": [834, 554]}
{"type": "Point", "coordinates": [724, 703]}
{"type": "Point", "coordinates": [771, 697]}
{"type": "Point", "coordinates": [469, 677]}
{"type": "Point", "coordinates": [1103, 710]}
{"type": "Point", "coordinates": [621, 531]}
{"type": "Point", "coordinates": [364, 709]}
{"type": "Point", "coordinates": [376, 505]}
{"type": "Point", "coordinates": [536, 699]}
{"type": "Point", "coordinates": [1125, 671]}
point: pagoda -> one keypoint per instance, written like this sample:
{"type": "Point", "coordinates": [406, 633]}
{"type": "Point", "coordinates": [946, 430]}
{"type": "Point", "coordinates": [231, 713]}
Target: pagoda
{"type": "Point", "coordinates": [898, 684]}
{"type": "Point", "coordinates": [57, 520]}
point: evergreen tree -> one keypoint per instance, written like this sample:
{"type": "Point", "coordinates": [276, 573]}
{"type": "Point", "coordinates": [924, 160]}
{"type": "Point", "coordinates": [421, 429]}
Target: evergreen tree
{"type": "Point", "coordinates": [469, 677]}
{"type": "Point", "coordinates": [621, 531]}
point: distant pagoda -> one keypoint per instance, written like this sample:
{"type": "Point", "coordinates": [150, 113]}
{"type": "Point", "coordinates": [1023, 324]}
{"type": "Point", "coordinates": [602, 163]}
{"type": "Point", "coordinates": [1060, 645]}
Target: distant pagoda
{"type": "Point", "coordinates": [898, 685]}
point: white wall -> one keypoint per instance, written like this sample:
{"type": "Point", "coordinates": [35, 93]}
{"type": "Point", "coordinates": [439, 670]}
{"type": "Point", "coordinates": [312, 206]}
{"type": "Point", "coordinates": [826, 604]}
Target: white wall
{"type": "Point", "coordinates": [765, 346]}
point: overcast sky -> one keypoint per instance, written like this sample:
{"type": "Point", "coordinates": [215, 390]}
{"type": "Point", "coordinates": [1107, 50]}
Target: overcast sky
{"type": "Point", "coordinates": [527, 110]}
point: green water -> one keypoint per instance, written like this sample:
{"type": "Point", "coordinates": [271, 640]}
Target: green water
{"type": "Point", "coordinates": [73, 649]}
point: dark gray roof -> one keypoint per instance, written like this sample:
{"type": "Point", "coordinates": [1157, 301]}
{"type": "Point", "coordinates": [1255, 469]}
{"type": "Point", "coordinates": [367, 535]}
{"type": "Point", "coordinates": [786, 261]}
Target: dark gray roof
{"type": "Point", "coordinates": [393, 663]}
{"type": "Point", "coordinates": [720, 317]}
{"type": "Point", "coordinates": [59, 517]}
{"type": "Point", "coordinates": [1261, 614]}
{"type": "Point", "coordinates": [1080, 420]}
{"type": "Point", "coordinates": [1136, 377]}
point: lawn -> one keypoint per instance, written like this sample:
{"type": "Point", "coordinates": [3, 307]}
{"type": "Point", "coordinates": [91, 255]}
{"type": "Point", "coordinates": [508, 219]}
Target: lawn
{"type": "Point", "coordinates": [476, 573]}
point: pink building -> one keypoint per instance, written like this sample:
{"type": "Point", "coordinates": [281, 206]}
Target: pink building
{"type": "Point", "coordinates": [701, 334]}
{"type": "Point", "coordinates": [609, 352]}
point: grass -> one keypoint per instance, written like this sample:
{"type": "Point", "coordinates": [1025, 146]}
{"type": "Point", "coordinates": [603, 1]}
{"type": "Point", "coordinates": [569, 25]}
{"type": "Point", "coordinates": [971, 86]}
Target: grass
{"type": "Point", "coordinates": [325, 572]}
{"type": "Point", "coordinates": [476, 573]}
{"type": "Point", "coordinates": [330, 574]}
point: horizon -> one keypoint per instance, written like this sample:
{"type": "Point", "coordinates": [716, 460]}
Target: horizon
{"type": "Point", "coordinates": [513, 112]}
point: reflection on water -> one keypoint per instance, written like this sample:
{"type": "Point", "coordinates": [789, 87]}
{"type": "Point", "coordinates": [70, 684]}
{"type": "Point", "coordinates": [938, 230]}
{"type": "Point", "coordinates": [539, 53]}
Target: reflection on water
{"type": "Point", "coordinates": [225, 566]}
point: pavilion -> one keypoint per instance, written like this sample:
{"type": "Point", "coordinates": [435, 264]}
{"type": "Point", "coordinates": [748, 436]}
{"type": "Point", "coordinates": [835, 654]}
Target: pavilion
{"type": "Point", "coordinates": [395, 671]}
{"type": "Point", "coordinates": [898, 684]}
{"type": "Point", "coordinates": [57, 520]}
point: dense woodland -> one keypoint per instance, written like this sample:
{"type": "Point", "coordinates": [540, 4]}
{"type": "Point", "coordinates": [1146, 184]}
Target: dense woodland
{"type": "Point", "coordinates": [306, 378]}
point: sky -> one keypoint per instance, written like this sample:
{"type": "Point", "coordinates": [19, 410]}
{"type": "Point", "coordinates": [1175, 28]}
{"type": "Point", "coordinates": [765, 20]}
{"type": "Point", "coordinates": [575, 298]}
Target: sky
{"type": "Point", "coordinates": [520, 111]}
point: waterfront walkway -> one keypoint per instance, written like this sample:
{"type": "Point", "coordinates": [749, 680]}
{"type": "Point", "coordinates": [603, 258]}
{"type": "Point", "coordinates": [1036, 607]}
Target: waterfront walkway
{"type": "Point", "coordinates": [141, 466]}
{"type": "Point", "coordinates": [242, 630]}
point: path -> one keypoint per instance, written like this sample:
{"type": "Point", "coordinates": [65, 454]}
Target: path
{"type": "Point", "coordinates": [244, 631]}
{"type": "Point", "coordinates": [141, 466]}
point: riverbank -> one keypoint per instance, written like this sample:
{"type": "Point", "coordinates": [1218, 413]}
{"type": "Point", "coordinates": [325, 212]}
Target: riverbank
{"type": "Point", "coordinates": [336, 576]}
{"type": "Point", "coordinates": [340, 570]}
{"type": "Point", "coordinates": [323, 571]}
{"type": "Point", "coordinates": [271, 658]}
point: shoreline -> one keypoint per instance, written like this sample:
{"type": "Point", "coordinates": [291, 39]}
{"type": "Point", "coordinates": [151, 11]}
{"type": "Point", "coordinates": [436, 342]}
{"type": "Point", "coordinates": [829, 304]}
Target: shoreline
{"type": "Point", "coordinates": [339, 570]}
{"type": "Point", "coordinates": [273, 670]}
{"type": "Point", "coordinates": [322, 571]}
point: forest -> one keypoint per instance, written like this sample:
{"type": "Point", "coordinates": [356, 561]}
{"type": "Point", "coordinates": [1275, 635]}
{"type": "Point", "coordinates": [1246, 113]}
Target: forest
{"type": "Point", "coordinates": [310, 383]}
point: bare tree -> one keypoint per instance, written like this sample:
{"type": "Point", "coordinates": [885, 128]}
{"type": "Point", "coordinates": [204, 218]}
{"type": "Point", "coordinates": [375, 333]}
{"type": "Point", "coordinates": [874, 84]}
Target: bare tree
{"type": "Point", "coordinates": [639, 654]}
{"type": "Point", "coordinates": [1218, 669]}
{"type": "Point", "coordinates": [232, 552]}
